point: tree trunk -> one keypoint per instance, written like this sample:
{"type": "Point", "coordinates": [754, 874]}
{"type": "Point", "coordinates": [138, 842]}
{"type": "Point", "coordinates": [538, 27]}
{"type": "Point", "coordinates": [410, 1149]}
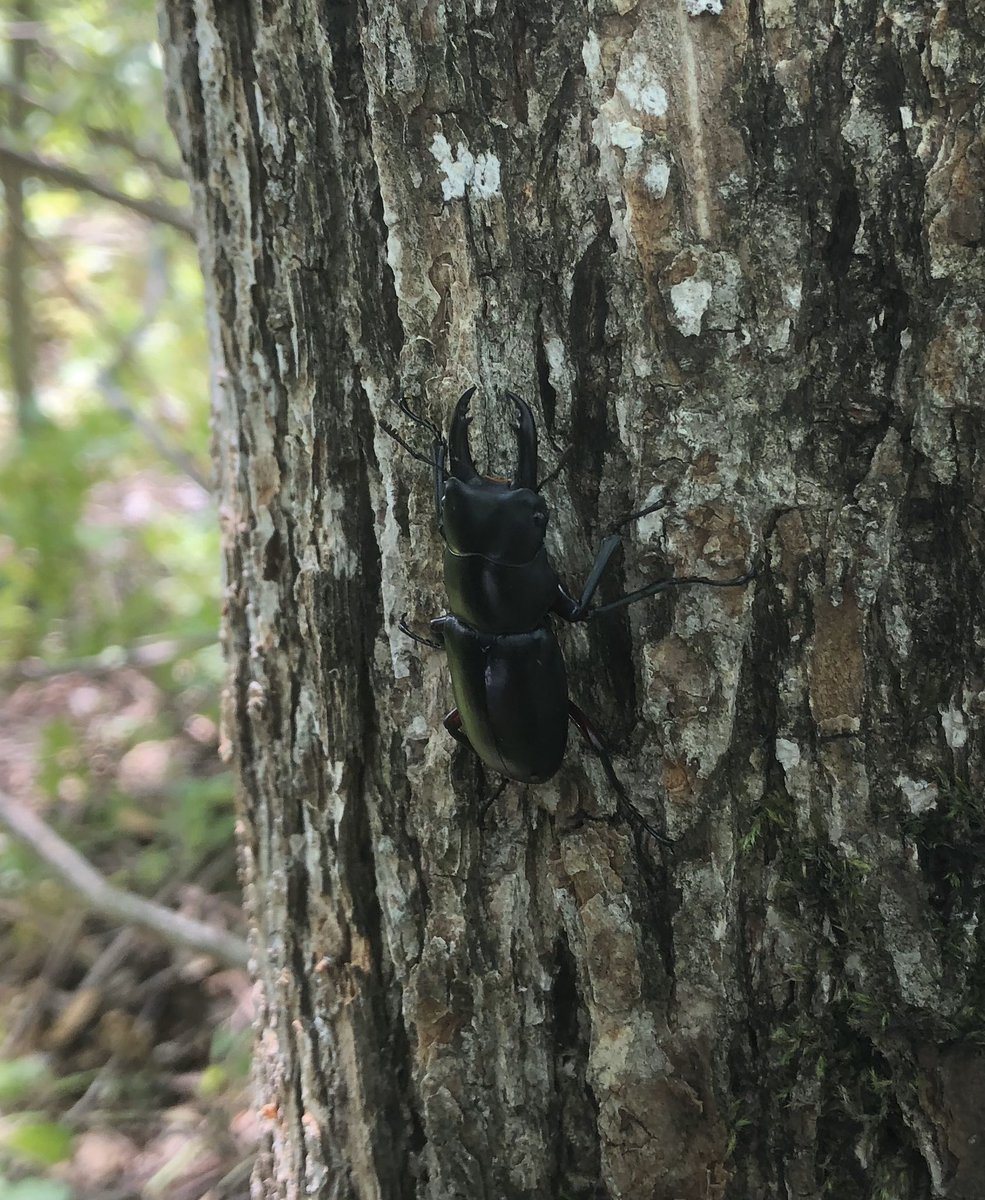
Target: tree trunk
{"type": "Point", "coordinates": [734, 255]}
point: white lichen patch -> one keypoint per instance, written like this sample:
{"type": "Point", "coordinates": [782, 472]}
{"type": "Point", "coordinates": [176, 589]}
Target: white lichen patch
{"type": "Point", "coordinates": [395, 891]}
{"type": "Point", "coordinates": [557, 358]}
{"type": "Point", "coordinates": [641, 362]}
{"type": "Point", "coordinates": [651, 527]}
{"type": "Point", "coordinates": [639, 87]}
{"type": "Point", "coordinates": [847, 807]}
{"type": "Point", "coordinates": [916, 959]}
{"type": "Point", "coordinates": [710, 298]}
{"type": "Point", "coordinates": [695, 8]}
{"type": "Point", "coordinates": [787, 754]}
{"type": "Point", "coordinates": [865, 130]}
{"type": "Point", "coordinates": [920, 794]}
{"type": "Point", "coordinates": [418, 730]}
{"type": "Point", "coordinates": [656, 178]}
{"type": "Point", "coordinates": [689, 299]}
{"type": "Point", "coordinates": [779, 336]}
{"type": "Point", "coordinates": [626, 136]}
{"type": "Point", "coordinates": [463, 170]}
{"type": "Point", "coordinates": [307, 726]}
{"type": "Point", "coordinates": [591, 54]}
{"type": "Point", "coordinates": [955, 726]}
{"type": "Point", "coordinates": [486, 180]}
{"type": "Point", "coordinates": [394, 248]}
{"type": "Point", "coordinates": [898, 631]}
{"type": "Point", "coordinates": [559, 370]}
{"type": "Point", "coordinates": [271, 131]}
{"type": "Point", "coordinates": [458, 166]}
{"type": "Point", "coordinates": [334, 548]}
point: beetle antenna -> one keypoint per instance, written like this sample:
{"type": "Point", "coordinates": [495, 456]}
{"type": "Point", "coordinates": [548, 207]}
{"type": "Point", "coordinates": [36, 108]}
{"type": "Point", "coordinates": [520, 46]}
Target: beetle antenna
{"type": "Point", "coordinates": [419, 420]}
{"type": "Point", "coordinates": [557, 470]}
{"type": "Point", "coordinates": [492, 799]}
{"type": "Point", "coordinates": [635, 819]}
{"type": "Point", "coordinates": [388, 429]}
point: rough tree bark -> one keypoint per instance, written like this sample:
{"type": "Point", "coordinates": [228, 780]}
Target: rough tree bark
{"type": "Point", "coordinates": [730, 252]}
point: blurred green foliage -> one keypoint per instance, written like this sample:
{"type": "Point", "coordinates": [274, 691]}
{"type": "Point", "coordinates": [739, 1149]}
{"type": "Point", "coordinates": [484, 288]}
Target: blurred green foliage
{"type": "Point", "coordinates": [109, 564]}
{"type": "Point", "coordinates": [116, 347]}
{"type": "Point", "coordinates": [29, 1139]}
{"type": "Point", "coordinates": [34, 1189]}
{"type": "Point", "coordinates": [108, 538]}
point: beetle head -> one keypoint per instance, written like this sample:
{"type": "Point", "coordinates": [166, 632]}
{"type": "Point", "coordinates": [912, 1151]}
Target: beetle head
{"type": "Point", "coordinates": [503, 520]}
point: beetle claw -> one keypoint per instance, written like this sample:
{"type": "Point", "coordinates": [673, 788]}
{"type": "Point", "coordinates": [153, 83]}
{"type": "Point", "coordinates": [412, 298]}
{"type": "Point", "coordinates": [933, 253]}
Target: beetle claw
{"type": "Point", "coordinates": [462, 466]}
{"type": "Point", "coordinates": [525, 475]}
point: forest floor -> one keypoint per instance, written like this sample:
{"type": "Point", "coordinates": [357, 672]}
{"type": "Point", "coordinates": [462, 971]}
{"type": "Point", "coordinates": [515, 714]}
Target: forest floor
{"type": "Point", "coordinates": [124, 1063]}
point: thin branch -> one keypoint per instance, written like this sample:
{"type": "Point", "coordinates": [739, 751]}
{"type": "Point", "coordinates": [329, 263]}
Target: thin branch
{"type": "Point", "coordinates": [117, 401]}
{"type": "Point", "coordinates": [103, 897]}
{"type": "Point", "coordinates": [127, 346]}
{"type": "Point", "coordinates": [137, 150]}
{"type": "Point", "coordinates": [58, 173]}
{"type": "Point", "coordinates": [115, 396]}
{"type": "Point", "coordinates": [231, 1183]}
{"type": "Point", "coordinates": [19, 310]}
{"type": "Point", "coordinates": [17, 89]}
{"type": "Point", "coordinates": [98, 133]}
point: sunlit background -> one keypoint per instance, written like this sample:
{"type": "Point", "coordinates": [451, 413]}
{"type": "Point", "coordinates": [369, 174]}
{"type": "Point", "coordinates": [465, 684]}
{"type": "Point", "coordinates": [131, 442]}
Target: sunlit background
{"type": "Point", "coordinates": [123, 1061]}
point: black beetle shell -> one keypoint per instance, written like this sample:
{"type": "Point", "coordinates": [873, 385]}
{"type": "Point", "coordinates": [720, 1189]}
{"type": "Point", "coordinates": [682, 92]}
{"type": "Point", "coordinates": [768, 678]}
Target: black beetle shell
{"type": "Point", "coordinates": [496, 597]}
{"type": "Point", "coordinates": [512, 694]}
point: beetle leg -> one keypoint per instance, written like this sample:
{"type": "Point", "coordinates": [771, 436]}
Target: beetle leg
{"type": "Point", "coordinates": [438, 450]}
{"type": "Point", "coordinates": [571, 610]}
{"type": "Point", "coordinates": [453, 723]}
{"type": "Point", "coordinates": [419, 420]}
{"type": "Point", "coordinates": [594, 739]}
{"type": "Point", "coordinates": [416, 637]}
{"type": "Point", "coordinates": [565, 604]}
{"type": "Point", "coordinates": [661, 585]}
{"type": "Point", "coordinates": [391, 432]}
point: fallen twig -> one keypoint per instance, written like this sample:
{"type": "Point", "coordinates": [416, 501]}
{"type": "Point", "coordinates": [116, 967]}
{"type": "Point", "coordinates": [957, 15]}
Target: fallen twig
{"type": "Point", "coordinates": [103, 897]}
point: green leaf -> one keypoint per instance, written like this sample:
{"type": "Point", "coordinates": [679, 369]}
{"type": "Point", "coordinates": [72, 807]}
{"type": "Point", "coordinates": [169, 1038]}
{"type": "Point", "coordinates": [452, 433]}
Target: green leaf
{"type": "Point", "coordinates": [20, 1076]}
{"type": "Point", "coordinates": [34, 1189]}
{"type": "Point", "coordinates": [38, 1141]}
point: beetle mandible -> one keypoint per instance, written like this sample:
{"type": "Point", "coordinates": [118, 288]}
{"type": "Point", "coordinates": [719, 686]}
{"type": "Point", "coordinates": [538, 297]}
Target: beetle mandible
{"type": "Point", "coordinates": [507, 671]}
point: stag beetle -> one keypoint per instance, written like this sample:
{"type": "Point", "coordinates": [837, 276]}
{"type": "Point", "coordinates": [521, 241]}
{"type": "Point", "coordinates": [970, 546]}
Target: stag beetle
{"type": "Point", "coordinates": [507, 670]}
